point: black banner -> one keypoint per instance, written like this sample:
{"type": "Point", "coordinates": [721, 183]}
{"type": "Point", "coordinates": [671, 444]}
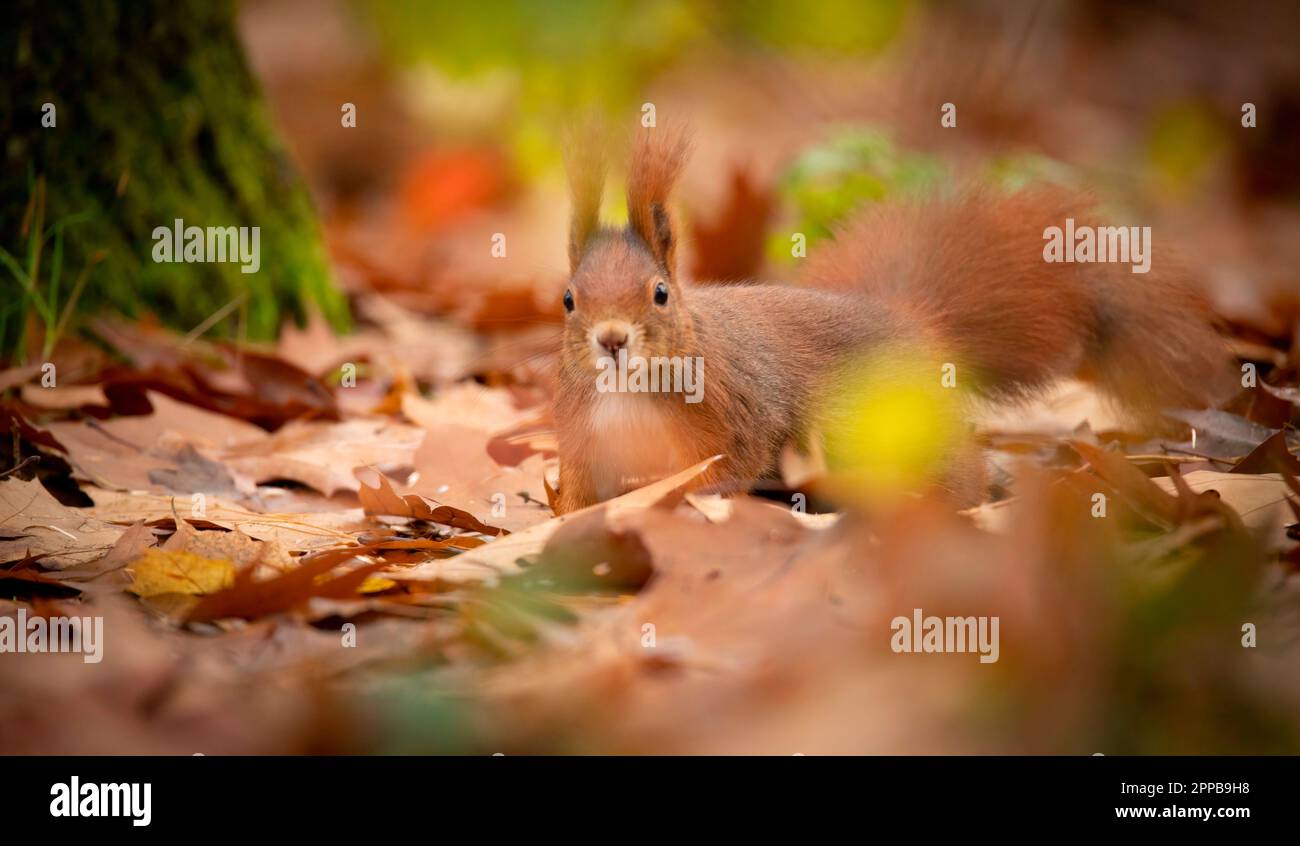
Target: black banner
{"type": "Point", "coordinates": [218, 795]}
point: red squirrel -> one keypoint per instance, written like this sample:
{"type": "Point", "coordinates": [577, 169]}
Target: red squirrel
{"type": "Point", "coordinates": [965, 275]}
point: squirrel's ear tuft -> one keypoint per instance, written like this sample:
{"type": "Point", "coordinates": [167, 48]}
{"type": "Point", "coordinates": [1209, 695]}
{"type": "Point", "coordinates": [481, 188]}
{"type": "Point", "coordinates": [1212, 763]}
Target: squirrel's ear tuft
{"type": "Point", "coordinates": [657, 160]}
{"type": "Point", "coordinates": [661, 241]}
{"type": "Point", "coordinates": [586, 167]}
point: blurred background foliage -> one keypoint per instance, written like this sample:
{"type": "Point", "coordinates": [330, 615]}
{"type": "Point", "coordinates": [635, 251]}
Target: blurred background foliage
{"type": "Point", "coordinates": [159, 118]}
{"type": "Point", "coordinates": [542, 64]}
{"type": "Point", "coordinates": [854, 165]}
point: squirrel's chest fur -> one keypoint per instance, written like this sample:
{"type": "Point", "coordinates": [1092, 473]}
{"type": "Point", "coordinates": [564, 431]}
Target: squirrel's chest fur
{"type": "Point", "coordinates": [634, 439]}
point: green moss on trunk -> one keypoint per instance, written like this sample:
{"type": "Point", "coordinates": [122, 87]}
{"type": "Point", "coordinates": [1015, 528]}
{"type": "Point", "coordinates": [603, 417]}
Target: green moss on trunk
{"type": "Point", "coordinates": [157, 118]}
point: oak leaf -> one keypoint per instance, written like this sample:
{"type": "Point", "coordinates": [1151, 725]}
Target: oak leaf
{"type": "Point", "coordinates": [161, 571]}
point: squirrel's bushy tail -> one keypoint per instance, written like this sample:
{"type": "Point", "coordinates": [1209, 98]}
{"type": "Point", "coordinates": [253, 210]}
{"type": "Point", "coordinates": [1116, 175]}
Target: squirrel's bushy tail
{"type": "Point", "coordinates": [968, 276]}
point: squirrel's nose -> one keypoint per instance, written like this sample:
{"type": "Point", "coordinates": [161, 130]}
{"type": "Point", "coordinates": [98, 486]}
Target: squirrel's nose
{"type": "Point", "coordinates": [613, 340]}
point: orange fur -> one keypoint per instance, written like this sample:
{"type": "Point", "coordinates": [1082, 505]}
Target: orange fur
{"type": "Point", "coordinates": [971, 270]}
{"type": "Point", "coordinates": [586, 168]}
{"type": "Point", "coordinates": [657, 159]}
{"type": "Point", "coordinates": [963, 277]}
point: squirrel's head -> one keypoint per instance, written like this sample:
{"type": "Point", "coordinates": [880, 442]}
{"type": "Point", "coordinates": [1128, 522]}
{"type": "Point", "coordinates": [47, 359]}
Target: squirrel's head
{"type": "Point", "coordinates": [623, 291]}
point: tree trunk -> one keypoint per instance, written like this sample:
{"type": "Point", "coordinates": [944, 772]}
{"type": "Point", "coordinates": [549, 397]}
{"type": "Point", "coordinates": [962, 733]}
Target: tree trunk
{"type": "Point", "coordinates": [155, 118]}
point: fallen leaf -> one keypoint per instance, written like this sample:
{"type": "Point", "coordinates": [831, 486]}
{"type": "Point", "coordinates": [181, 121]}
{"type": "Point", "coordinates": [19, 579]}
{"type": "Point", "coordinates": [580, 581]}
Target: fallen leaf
{"type": "Point", "coordinates": [376, 584]}
{"type": "Point", "coordinates": [161, 571]}
{"type": "Point", "coordinates": [1131, 483]}
{"type": "Point", "coordinates": [22, 580]}
{"type": "Point", "coordinates": [234, 546]}
{"type": "Point", "coordinates": [468, 404]}
{"type": "Point", "coordinates": [453, 467]}
{"type": "Point", "coordinates": [322, 455]}
{"type": "Point", "coordinates": [377, 497]}
{"type": "Point", "coordinates": [1259, 500]}
{"type": "Point", "coordinates": [15, 376]}
{"type": "Point", "coordinates": [251, 598]}
{"type": "Point", "coordinates": [32, 522]}
{"type": "Point", "coordinates": [294, 531]}
{"type": "Point", "coordinates": [715, 508]}
{"type": "Point", "coordinates": [177, 446]}
{"type": "Point", "coordinates": [1218, 434]}
{"type": "Point", "coordinates": [588, 554]}
{"type": "Point", "coordinates": [501, 557]}
{"type": "Point", "coordinates": [1272, 455]}
{"type": "Point", "coordinates": [64, 396]}
{"type": "Point", "coordinates": [129, 547]}
{"type": "Point", "coordinates": [233, 380]}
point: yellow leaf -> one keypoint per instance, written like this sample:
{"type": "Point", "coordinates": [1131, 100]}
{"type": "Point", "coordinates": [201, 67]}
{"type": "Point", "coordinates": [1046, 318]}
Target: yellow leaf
{"type": "Point", "coordinates": [376, 584]}
{"type": "Point", "coordinates": [371, 584]}
{"type": "Point", "coordinates": [161, 571]}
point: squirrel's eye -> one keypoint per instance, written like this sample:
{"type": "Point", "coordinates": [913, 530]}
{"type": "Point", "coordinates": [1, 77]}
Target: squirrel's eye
{"type": "Point", "coordinates": [661, 294]}
{"type": "Point", "coordinates": [568, 301]}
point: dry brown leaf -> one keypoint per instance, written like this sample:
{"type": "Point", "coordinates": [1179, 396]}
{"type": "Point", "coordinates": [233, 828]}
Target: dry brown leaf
{"type": "Point", "coordinates": [434, 351]}
{"type": "Point", "coordinates": [250, 598]}
{"type": "Point", "coordinates": [1259, 500]}
{"type": "Point", "coordinates": [322, 455]}
{"type": "Point", "coordinates": [129, 547]}
{"type": "Point", "coordinates": [1130, 482]}
{"type": "Point", "coordinates": [64, 397]}
{"type": "Point", "coordinates": [378, 497]}
{"type": "Point", "coordinates": [34, 523]}
{"type": "Point", "coordinates": [293, 531]}
{"type": "Point", "coordinates": [176, 444]}
{"type": "Point", "coordinates": [234, 546]}
{"type": "Point", "coordinates": [314, 348]}
{"type": "Point", "coordinates": [193, 424]}
{"type": "Point", "coordinates": [453, 466]}
{"type": "Point", "coordinates": [15, 376]}
{"type": "Point", "coordinates": [715, 507]}
{"type": "Point", "coordinates": [501, 556]}
{"type": "Point", "coordinates": [468, 404]}
{"type": "Point", "coordinates": [455, 543]}
{"type": "Point", "coordinates": [1273, 455]}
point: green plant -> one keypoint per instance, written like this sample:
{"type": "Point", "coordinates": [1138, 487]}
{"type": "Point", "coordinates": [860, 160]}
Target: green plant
{"type": "Point", "coordinates": [15, 315]}
{"type": "Point", "coordinates": [852, 167]}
